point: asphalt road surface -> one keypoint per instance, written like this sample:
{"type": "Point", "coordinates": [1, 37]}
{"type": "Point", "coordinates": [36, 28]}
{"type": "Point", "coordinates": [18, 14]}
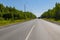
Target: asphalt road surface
{"type": "Point", "coordinates": [37, 29]}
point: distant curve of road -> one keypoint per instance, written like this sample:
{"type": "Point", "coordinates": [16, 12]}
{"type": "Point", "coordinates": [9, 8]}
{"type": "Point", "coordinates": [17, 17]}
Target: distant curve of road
{"type": "Point", "coordinates": [37, 29]}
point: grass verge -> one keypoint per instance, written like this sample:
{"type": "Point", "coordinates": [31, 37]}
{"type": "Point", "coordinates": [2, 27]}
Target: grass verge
{"type": "Point", "coordinates": [6, 23]}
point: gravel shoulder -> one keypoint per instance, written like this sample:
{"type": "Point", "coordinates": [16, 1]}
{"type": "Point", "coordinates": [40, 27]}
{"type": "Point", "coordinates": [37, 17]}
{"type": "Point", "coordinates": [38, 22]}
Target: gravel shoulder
{"type": "Point", "coordinates": [55, 22]}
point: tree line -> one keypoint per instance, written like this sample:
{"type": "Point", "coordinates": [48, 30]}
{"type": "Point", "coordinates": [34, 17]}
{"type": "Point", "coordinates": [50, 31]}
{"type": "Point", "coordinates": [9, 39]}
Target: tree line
{"type": "Point", "coordinates": [53, 13]}
{"type": "Point", "coordinates": [11, 13]}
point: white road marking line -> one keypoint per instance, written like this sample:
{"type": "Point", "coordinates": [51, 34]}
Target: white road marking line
{"type": "Point", "coordinates": [29, 32]}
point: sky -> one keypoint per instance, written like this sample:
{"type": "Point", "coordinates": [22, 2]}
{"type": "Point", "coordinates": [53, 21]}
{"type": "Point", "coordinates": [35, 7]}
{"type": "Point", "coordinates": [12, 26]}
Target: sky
{"type": "Point", "coordinates": [35, 6]}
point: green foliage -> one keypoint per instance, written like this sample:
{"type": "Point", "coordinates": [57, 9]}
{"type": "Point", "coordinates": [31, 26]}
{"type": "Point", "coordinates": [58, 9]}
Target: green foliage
{"type": "Point", "coordinates": [52, 13]}
{"type": "Point", "coordinates": [11, 13]}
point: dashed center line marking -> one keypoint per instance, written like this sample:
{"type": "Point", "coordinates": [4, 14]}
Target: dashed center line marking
{"type": "Point", "coordinates": [29, 32]}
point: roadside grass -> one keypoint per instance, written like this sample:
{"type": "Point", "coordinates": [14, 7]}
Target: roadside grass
{"type": "Point", "coordinates": [49, 19]}
{"type": "Point", "coordinates": [4, 23]}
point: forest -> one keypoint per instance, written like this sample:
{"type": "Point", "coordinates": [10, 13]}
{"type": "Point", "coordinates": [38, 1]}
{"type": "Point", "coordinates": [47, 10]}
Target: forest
{"type": "Point", "coordinates": [53, 13]}
{"type": "Point", "coordinates": [11, 13]}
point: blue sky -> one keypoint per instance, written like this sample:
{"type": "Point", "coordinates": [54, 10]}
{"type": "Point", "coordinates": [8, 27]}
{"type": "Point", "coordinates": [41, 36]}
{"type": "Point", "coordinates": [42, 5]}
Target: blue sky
{"type": "Point", "coordinates": [35, 6]}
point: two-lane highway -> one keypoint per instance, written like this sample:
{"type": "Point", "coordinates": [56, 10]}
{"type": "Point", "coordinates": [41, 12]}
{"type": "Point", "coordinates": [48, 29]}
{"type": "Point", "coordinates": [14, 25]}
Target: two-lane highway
{"type": "Point", "coordinates": [16, 32]}
{"type": "Point", "coordinates": [37, 29]}
{"type": "Point", "coordinates": [45, 31]}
